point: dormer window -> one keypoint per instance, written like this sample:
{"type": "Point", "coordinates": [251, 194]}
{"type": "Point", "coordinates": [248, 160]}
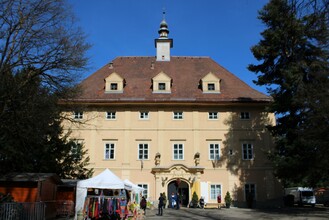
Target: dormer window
{"type": "Point", "coordinates": [114, 86]}
{"type": "Point", "coordinates": [210, 83]}
{"type": "Point", "coordinates": [161, 83]}
{"type": "Point", "coordinates": [162, 86]}
{"type": "Point", "coordinates": [211, 87]}
{"type": "Point", "coordinates": [114, 83]}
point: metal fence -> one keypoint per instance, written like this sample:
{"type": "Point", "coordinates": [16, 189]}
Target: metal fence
{"type": "Point", "coordinates": [23, 211]}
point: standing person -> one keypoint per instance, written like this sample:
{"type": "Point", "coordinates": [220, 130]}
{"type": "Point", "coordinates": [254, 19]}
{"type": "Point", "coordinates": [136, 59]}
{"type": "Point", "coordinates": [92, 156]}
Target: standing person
{"type": "Point", "coordinates": [201, 202]}
{"type": "Point", "coordinates": [160, 210]}
{"type": "Point", "coordinates": [219, 200]}
{"type": "Point", "coordinates": [177, 201]}
{"type": "Point", "coordinates": [173, 200]}
{"type": "Point", "coordinates": [164, 200]}
{"type": "Point", "coordinates": [143, 204]}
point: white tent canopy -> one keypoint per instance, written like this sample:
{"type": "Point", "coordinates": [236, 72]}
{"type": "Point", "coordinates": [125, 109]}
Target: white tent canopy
{"type": "Point", "coordinates": [135, 188]}
{"type": "Point", "coordinates": [104, 180]}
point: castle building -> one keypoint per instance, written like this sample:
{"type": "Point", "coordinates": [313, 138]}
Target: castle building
{"type": "Point", "coordinates": [177, 124]}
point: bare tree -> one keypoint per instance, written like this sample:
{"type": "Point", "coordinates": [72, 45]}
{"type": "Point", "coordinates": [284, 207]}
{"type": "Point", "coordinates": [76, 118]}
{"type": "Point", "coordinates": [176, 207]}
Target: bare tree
{"type": "Point", "coordinates": [41, 34]}
{"type": "Point", "coordinates": [41, 54]}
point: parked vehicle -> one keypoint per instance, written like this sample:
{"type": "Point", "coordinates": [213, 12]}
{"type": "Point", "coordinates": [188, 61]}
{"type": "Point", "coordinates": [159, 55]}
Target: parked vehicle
{"type": "Point", "coordinates": [299, 195]}
{"type": "Point", "coordinates": [322, 196]}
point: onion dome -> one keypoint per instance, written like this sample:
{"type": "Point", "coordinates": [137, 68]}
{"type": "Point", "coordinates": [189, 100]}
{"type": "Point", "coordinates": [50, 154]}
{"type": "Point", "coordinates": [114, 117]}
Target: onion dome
{"type": "Point", "coordinates": [163, 30]}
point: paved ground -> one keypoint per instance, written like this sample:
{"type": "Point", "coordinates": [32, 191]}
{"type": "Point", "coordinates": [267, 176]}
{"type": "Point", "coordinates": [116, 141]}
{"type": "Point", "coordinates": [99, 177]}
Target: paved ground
{"type": "Point", "coordinates": [295, 213]}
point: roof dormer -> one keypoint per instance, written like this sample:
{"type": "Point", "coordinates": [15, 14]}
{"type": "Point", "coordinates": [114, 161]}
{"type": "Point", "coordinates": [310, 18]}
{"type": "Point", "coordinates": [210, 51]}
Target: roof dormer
{"type": "Point", "coordinates": [114, 83]}
{"type": "Point", "coordinates": [161, 83]}
{"type": "Point", "coordinates": [210, 83]}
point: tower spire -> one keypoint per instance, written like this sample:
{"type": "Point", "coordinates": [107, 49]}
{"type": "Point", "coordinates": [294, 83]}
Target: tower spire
{"type": "Point", "coordinates": [163, 43]}
{"type": "Point", "coordinates": [163, 30]}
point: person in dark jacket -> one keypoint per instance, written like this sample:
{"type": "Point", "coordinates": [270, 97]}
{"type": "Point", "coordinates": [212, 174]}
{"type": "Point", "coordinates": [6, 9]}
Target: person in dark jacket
{"type": "Point", "coordinates": [164, 200]}
{"type": "Point", "coordinates": [201, 202]}
{"type": "Point", "coordinates": [142, 204]}
{"type": "Point", "coordinates": [160, 206]}
{"type": "Point", "coordinates": [177, 201]}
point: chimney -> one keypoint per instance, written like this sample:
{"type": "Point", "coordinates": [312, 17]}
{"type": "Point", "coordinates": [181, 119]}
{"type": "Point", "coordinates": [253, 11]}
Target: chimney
{"type": "Point", "coordinates": [111, 65]}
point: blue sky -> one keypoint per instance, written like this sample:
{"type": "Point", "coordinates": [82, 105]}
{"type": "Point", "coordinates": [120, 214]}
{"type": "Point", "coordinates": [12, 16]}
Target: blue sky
{"type": "Point", "coordinates": [224, 30]}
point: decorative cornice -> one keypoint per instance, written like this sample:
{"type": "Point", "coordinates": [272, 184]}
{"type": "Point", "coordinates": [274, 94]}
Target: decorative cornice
{"type": "Point", "coordinates": [187, 169]}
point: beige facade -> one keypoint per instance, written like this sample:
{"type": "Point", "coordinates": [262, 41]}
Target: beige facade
{"type": "Point", "coordinates": [195, 133]}
{"type": "Point", "coordinates": [183, 124]}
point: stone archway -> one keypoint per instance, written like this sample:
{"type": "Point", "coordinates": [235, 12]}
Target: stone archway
{"type": "Point", "coordinates": [166, 178]}
{"type": "Point", "coordinates": [182, 189]}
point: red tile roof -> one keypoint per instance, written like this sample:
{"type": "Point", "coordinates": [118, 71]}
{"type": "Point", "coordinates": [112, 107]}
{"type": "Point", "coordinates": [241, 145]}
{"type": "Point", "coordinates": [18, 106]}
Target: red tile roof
{"type": "Point", "coordinates": [185, 72]}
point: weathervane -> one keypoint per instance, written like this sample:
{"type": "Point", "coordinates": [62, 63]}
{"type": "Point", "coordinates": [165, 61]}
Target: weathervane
{"type": "Point", "coordinates": [164, 13]}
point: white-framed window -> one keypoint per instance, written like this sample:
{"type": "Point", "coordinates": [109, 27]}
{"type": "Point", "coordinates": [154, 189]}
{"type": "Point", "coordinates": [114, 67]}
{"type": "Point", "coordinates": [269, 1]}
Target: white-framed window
{"type": "Point", "coordinates": [211, 86]}
{"type": "Point", "coordinates": [144, 115]}
{"type": "Point", "coordinates": [111, 115]}
{"type": "Point", "coordinates": [212, 115]}
{"type": "Point", "coordinates": [215, 190]}
{"type": "Point", "coordinates": [178, 151]}
{"type": "Point", "coordinates": [247, 151]}
{"type": "Point", "coordinates": [109, 151]}
{"type": "Point", "coordinates": [214, 151]}
{"type": "Point", "coordinates": [114, 86]}
{"type": "Point", "coordinates": [146, 189]}
{"type": "Point", "coordinates": [162, 86]}
{"type": "Point", "coordinates": [143, 151]}
{"type": "Point", "coordinates": [178, 115]}
{"type": "Point", "coordinates": [78, 115]}
{"type": "Point", "coordinates": [250, 191]}
{"type": "Point", "coordinates": [244, 115]}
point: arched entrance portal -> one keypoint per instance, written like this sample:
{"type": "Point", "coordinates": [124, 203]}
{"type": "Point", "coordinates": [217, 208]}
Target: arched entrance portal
{"type": "Point", "coordinates": [182, 188]}
{"type": "Point", "coordinates": [166, 181]}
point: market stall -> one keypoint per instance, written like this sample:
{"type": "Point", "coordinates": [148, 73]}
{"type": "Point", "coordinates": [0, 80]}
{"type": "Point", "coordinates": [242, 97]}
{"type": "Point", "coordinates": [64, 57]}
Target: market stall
{"type": "Point", "coordinates": [135, 191]}
{"type": "Point", "coordinates": [104, 194]}
{"type": "Point", "coordinates": [133, 186]}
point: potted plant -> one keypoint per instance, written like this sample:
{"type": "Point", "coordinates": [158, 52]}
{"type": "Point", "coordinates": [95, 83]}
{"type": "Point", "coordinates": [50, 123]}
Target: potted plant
{"type": "Point", "coordinates": [228, 199]}
{"type": "Point", "coordinates": [195, 200]}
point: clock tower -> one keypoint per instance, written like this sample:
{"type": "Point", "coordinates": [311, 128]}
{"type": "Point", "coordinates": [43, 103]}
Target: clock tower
{"type": "Point", "coordinates": [163, 43]}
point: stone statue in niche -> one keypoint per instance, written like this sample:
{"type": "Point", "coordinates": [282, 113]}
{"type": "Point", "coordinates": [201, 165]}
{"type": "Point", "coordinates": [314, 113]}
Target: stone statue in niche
{"type": "Point", "coordinates": [197, 158]}
{"type": "Point", "coordinates": [157, 159]}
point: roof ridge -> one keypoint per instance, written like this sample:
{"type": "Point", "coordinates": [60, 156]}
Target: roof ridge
{"type": "Point", "coordinates": [192, 57]}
